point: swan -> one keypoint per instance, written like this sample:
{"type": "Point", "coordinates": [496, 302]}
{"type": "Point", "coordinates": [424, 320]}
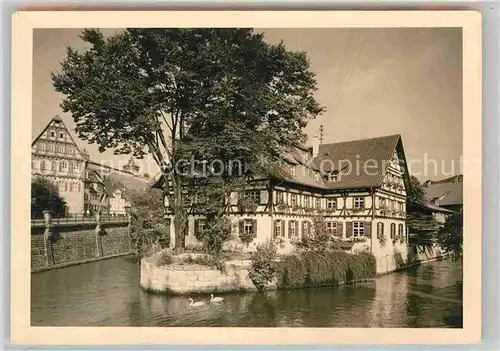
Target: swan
{"type": "Point", "coordinates": [196, 304]}
{"type": "Point", "coordinates": [215, 299]}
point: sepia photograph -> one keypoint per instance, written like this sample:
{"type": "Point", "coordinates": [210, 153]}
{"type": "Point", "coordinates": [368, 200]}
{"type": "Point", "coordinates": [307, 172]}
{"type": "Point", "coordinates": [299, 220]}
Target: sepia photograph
{"type": "Point", "coordinates": [248, 177]}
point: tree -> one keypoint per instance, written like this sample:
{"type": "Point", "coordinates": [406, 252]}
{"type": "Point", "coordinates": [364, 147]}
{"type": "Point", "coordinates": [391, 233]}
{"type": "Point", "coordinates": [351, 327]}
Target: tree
{"type": "Point", "coordinates": [450, 236]}
{"type": "Point", "coordinates": [45, 196]}
{"type": "Point", "coordinates": [210, 94]}
{"type": "Point", "coordinates": [416, 197]}
{"type": "Point", "coordinates": [319, 238]}
{"type": "Point", "coordinates": [148, 227]}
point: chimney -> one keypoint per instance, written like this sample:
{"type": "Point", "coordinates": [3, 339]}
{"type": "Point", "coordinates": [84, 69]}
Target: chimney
{"type": "Point", "coordinates": [315, 146]}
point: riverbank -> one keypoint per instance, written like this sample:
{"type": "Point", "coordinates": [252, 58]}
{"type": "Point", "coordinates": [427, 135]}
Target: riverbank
{"type": "Point", "coordinates": [182, 279]}
{"type": "Point", "coordinates": [306, 270]}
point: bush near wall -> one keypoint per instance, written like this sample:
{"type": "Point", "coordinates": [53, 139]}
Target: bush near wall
{"type": "Point", "coordinates": [309, 269]}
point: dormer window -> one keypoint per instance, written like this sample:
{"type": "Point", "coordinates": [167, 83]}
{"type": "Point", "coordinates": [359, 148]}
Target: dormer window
{"type": "Point", "coordinates": [333, 177]}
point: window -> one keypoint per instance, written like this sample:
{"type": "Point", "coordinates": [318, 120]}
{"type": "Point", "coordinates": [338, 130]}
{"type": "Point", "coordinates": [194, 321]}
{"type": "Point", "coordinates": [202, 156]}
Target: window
{"type": "Point", "coordinates": [393, 230]}
{"type": "Point", "coordinates": [333, 177]}
{"type": "Point", "coordinates": [41, 146]}
{"type": "Point", "coordinates": [359, 202]}
{"type": "Point", "coordinates": [43, 165]}
{"type": "Point", "coordinates": [331, 204]}
{"type": "Point", "coordinates": [51, 147]}
{"type": "Point", "coordinates": [278, 228]}
{"type": "Point", "coordinates": [71, 166]}
{"type": "Point", "coordinates": [305, 228]}
{"type": "Point", "coordinates": [79, 187]}
{"type": "Point", "coordinates": [400, 230]}
{"type": "Point", "coordinates": [201, 226]}
{"type": "Point", "coordinates": [305, 201]}
{"type": "Point", "coordinates": [292, 170]}
{"type": "Point", "coordinates": [331, 228]}
{"type": "Point", "coordinates": [63, 166]}
{"type": "Point", "coordinates": [382, 203]}
{"type": "Point", "coordinates": [248, 227]}
{"type": "Point", "coordinates": [380, 229]}
{"type": "Point", "coordinates": [61, 135]}
{"type": "Point", "coordinates": [59, 148]}
{"type": "Point", "coordinates": [358, 229]}
{"type": "Point", "coordinates": [318, 203]}
{"type": "Point", "coordinates": [52, 134]}
{"type": "Point", "coordinates": [254, 195]}
{"type": "Point", "coordinates": [293, 231]}
{"type": "Point", "coordinates": [279, 197]}
{"type": "Point", "coordinates": [293, 199]}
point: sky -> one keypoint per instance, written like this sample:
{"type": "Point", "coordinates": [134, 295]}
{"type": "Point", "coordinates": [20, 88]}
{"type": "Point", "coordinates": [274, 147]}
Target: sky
{"type": "Point", "coordinates": [372, 81]}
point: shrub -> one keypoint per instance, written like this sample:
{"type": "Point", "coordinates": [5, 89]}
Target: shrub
{"type": "Point", "coordinates": [319, 238]}
{"type": "Point", "coordinates": [324, 269]}
{"type": "Point", "coordinates": [164, 259]}
{"type": "Point", "coordinates": [263, 268]}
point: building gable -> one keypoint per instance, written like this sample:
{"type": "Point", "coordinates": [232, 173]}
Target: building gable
{"type": "Point", "coordinates": [56, 140]}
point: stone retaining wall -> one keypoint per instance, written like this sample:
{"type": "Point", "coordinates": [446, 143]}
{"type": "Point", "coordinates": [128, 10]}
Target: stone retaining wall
{"type": "Point", "coordinates": [61, 245]}
{"type": "Point", "coordinates": [180, 279]}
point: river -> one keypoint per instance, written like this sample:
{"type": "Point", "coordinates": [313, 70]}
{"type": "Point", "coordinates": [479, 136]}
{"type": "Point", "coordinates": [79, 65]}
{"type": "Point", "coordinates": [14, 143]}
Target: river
{"type": "Point", "coordinates": [107, 293]}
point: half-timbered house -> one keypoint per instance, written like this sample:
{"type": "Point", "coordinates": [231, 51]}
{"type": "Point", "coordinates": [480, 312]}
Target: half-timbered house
{"type": "Point", "coordinates": [359, 187]}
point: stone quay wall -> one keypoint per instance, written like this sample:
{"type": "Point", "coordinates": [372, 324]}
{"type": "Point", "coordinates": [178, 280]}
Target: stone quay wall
{"type": "Point", "coordinates": [56, 244]}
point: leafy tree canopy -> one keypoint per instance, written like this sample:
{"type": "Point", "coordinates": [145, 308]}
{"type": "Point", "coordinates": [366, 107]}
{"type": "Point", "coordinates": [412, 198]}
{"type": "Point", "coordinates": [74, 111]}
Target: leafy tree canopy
{"type": "Point", "coordinates": [450, 236]}
{"type": "Point", "coordinates": [45, 197]}
{"type": "Point", "coordinates": [148, 227]}
{"type": "Point", "coordinates": [416, 197]}
{"type": "Point", "coordinates": [184, 94]}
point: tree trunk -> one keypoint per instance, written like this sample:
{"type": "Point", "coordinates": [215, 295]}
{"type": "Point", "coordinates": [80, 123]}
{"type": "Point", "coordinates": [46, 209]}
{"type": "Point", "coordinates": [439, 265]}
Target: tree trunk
{"type": "Point", "coordinates": [180, 217]}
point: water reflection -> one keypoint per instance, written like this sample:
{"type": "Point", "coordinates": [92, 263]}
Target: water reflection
{"type": "Point", "coordinates": [107, 293]}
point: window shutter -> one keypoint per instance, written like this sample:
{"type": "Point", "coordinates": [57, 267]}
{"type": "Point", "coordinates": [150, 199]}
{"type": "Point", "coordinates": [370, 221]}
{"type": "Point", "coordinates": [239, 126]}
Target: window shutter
{"type": "Point", "coordinates": [297, 229]}
{"type": "Point", "coordinates": [289, 229]}
{"type": "Point", "coordinates": [196, 227]}
{"type": "Point", "coordinates": [349, 229]}
{"type": "Point", "coordinates": [242, 226]}
{"type": "Point", "coordinates": [304, 224]}
{"type": "Point", "coordinates": [264, 196]}
{"type": "Point", "coordinates": [340, 229]}
{"type": "Point", "coordinates": [254, 226]}
{"type": "Point", "coordinates": [274, 228]}
{"type": "Point", "coordinates": [368, 229]}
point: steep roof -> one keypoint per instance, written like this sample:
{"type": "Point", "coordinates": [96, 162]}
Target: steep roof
{"type": "Point", "coordinates": [57, 120]}
{"type": "Point", "coordinates": [116, 179]}
{"type": "Point", "coordinates": [350, 158]}
{"type": "Point", "coordinates": [451, 193]}
{"type": "Point", "coordinates": [335, 157]}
